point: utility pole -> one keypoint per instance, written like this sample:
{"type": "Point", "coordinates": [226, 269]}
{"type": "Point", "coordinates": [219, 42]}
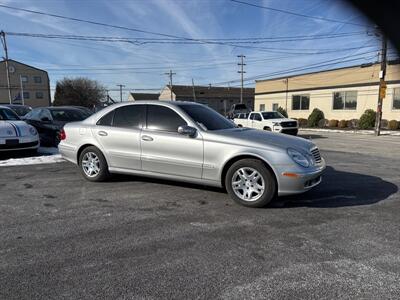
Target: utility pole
{"type": "Point", "coordinates": [194, 93]}
{"type": "Point", "coordinates": [170, 74]}
{"type": "Point", "coordinates": [120, 91]}
{"type": "Point", "coordinates": [4, 42]}
{"type": "Point", "coordinates": [382, 86]}
{"type": "Point", "coordinates": [287, 90]}
{"type": "Point", "coordinates": [241, 64]}
{"type": "Point", "coordinates": [22, 90]}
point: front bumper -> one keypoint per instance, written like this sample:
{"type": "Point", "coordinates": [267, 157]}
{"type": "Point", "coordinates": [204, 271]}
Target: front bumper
{"type": "Point", "coordinates": [19, 143]}
{"type": "Point", "coordinates": [286, 130]}
{"type": "Point", "coordinates": [303, 182]}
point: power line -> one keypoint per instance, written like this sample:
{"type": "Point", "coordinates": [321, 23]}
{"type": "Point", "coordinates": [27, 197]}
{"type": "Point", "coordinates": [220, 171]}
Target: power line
{"type": "Point", "coordinates": [299, 14]}
{"type": "Point", "coordinates": [303, 68]}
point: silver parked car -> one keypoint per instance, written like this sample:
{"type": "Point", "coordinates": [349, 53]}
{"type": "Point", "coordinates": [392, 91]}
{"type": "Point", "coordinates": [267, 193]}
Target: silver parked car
{"type": "Point", "coordinates": [190, 142]}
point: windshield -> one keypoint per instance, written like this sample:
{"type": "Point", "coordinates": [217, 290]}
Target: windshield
{"type": "Point", "coordinates": [68, 115]}
{"type": "Point", "coordinates": [207, 118]}
{"type": "Point", "coordinates": [272, 115]}
{"type": "Point", "coordinates": [8, 115]}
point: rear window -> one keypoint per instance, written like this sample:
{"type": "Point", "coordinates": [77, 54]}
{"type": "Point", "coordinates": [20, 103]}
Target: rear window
{"type": "Point", "coordinates": [64, 115]}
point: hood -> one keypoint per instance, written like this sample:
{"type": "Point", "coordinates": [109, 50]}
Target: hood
{"type": "Point", "coordinates": [14, 129]}
{"type": "Point", "coordinates": [281, 120]}
{"type": "Point", "coordinates": [260, 138]}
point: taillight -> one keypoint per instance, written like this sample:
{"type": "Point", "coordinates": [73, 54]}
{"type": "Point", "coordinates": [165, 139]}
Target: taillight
{"type": "Point", "coordinates": [62, 135]}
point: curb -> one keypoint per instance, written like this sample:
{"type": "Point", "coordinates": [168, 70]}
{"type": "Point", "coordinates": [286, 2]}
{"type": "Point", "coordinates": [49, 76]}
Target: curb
{"type": "Point", "coordinates": [364, 132]}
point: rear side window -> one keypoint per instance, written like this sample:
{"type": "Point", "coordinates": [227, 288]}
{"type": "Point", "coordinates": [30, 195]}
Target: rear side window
{"type": "Point", "coordinates": [107, 119]}
{"type": "Point", "coordinates": [130, 116]}
{"type": "Point", "coordinates": [163, 118]}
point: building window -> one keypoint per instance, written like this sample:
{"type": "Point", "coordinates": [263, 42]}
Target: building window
{"type": "Point", "coordinates": [396, 98]}
{"type": "Point", "coordinates": [26, 95]}
{"type": "Point", "coordinates": [39, 95]}
{"type": "Point", "coordinates": [345, 100]}
{"type": "Point", "coordinates": [37, 79]}
{"type": "Point", "coordinates": [275, 106]}
{"type": "Point", "coordinates": [301, 102]}
{"type": "Point", "coordinates": [262, 107]}
{"type": "Point", "coordinates": [24, 78]}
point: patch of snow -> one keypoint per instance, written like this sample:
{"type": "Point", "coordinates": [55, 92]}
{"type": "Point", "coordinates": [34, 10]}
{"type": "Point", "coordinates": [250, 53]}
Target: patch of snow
{"type": "Point", "coordinates": [48, 159]}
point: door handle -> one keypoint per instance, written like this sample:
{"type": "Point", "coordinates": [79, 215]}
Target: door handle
{"type": "Point", "coordinates": [147, 138]}
{"type": "Point", "coordinates": [102, 133]}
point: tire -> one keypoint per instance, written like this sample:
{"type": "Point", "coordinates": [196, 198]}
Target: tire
{"type": "Point", "coordinates": [267, 128]}
{"type": "Point", "coordinates": [93, 165]}
{"type": "Point", "coordinates": [248, 187]}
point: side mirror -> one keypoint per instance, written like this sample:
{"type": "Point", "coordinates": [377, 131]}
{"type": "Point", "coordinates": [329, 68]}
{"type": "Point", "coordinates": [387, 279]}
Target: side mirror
{"type": "Point", "coordinates": [187, 130]}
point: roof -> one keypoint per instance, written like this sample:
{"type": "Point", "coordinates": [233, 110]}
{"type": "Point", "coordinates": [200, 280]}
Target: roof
{"type": "Point", "coordinates": [145, 96]}
{"type": "Point", "coordinates": [346, 77]}
{"type": "Point", "coordinates": [18, 62]}
{"type": "Point", "coordinates": [210, 92]}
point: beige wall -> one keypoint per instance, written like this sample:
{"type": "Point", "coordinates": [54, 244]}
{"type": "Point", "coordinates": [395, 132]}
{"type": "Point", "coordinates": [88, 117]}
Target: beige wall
{"type": "Point", "coordinates": [165, 94]}
{"type": "Point", "coordinates": [321, 86]}
{"type": "Point", "coordinates": [322, 99]}
{"type": "Point", "coordinates": [31, 87]}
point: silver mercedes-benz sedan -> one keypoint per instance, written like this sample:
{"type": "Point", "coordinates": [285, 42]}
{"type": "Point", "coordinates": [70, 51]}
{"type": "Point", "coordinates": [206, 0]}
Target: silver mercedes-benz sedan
{"type": "Point", "coordinates": [190, 142]}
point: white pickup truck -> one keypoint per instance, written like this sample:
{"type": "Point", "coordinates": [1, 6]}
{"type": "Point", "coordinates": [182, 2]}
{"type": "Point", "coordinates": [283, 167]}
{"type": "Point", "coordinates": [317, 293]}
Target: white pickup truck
{"type": "Point", "coordinates": [267, 120]}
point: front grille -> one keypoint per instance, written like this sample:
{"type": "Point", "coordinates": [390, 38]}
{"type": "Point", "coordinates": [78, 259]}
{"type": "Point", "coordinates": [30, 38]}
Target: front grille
{"type": "Point", "coordinates": [289, 124]}
{"type": "Point", "coordinates": [290, 131]}
{"type": "Point", "coordinates": [317, 156]}
{"type": "Point", "coordinates": [17, 146]}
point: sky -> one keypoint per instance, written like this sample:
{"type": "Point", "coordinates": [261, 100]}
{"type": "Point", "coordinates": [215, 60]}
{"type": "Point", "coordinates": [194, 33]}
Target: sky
{"type": "Point", "coordinates": [142, 65]}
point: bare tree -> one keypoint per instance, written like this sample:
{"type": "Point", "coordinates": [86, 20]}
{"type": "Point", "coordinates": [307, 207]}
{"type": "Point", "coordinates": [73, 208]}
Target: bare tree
{"type": "Point", "coordinates": [79, 91]}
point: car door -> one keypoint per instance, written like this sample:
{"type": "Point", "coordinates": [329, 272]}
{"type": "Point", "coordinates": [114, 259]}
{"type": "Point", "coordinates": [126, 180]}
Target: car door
{"type": "Point", "coordinates": [118, 132]}
{"type": "Point", "coordinates": [256, 121]}
{"type": "Point", "coordinates": [166, 151]}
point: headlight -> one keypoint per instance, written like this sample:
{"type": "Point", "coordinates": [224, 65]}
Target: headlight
{"type": "Point", "coordinates": [276, 124]}
{"type": "Point", "coordinates": [32, 130]}
{"type": "Point", "coordinates": [298, 157]}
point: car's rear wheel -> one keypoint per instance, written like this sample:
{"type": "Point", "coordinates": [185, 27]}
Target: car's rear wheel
{"type": "Point", "coordinates": [250, 183]}
{"type": "Point", "coordinates": [93, 164]}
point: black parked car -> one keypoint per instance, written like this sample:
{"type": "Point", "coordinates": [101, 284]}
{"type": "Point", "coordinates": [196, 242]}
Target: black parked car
{"type": "Point", "coordinates": [20, 110]}
{"type": "Point", "coordinates": [48, 121]}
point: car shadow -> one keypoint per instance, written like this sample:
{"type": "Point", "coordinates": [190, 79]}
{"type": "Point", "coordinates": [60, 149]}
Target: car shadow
{"type": "Point", "coordinates": [127, 178]}
{"type": "Point", "coordinates": [340, 189]}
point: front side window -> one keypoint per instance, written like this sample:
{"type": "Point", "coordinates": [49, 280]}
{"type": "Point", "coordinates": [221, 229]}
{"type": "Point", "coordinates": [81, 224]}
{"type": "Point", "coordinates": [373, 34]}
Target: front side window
{"type": "Point", "coordinates": [163, 118]}
{"type": "Point", "coordinates": [345, 100]}
{"type": "Point", "coordinates": [206, 118]}
{"type": "Point", "coordinates": [301, 102]}
{"type": "Point", "coordinates": [130, 116]}
{"type": "Point", "coordinates": [396, 98]}
{"type": "Point", "coordinates": [257, 117]}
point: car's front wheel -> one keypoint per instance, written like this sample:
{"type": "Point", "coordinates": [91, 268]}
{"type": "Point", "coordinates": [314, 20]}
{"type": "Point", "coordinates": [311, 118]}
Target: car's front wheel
{"type": "Point", "coordinates": [250, 183]}
{"type": "Point", "coordinates": [93, 164]}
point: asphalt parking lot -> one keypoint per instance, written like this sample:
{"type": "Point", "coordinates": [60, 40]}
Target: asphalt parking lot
{"type": "Point", "coordinates": [133, 238]}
